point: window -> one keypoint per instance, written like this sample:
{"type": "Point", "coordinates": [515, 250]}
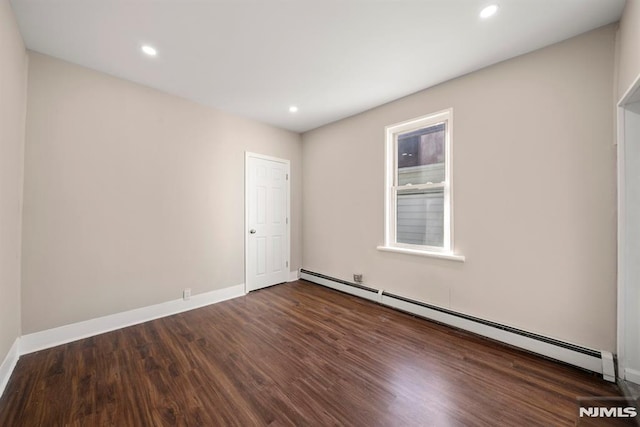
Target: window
{"type": "Point", "coordinates": [418, 186]}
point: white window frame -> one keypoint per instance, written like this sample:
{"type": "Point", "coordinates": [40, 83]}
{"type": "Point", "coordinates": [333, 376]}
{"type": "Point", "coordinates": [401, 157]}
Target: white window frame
{"type": "Point", "coordinates": [391, 187]}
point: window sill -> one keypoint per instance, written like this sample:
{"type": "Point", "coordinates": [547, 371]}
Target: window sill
{"type": "Point", "coordinates": [440, 255]}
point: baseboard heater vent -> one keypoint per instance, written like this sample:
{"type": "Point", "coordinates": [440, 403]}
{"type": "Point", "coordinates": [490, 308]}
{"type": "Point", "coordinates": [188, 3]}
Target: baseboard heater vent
{"type": "Point", "coordinates": [586, 358]}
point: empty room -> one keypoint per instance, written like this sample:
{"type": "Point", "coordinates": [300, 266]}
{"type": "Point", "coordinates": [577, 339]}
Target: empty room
{"type": "Point", "coordinates": [319, 212]}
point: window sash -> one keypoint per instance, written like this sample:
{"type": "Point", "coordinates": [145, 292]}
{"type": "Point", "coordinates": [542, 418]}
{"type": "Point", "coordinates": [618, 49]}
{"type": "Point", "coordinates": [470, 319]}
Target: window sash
{"type": "Point", "coordinates": [420, 172]}
{"type": "Point", "coordinates": [420, 187]}
{"type": "Point", "coordinates": [420, 217]}
{"type": "Point", "coordinates": [413, 189]}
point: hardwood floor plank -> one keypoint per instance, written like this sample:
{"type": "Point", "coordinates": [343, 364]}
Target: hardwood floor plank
{"type": "Point", "coordinates": [291, 355]}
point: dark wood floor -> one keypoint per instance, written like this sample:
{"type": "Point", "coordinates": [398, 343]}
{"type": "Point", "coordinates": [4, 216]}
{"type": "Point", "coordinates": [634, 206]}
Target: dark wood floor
{"type": "Point", "coordinates": [293, 354]}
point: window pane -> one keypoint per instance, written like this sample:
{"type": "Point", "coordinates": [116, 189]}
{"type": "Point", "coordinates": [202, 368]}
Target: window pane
{"type": "Point", "coordinates": [421, 155]}
{"type": "Point", "coordinates": [420, 217]}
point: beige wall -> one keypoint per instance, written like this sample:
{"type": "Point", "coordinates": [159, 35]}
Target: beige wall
{"type": "Point", "coordinates": [629, 47]}
{"type": "Point", "coordinates": [13, 75]}
{"type": "Point", "coordinates": [534, 194]}
{"type": "Point", "coordinates": [132, 195]}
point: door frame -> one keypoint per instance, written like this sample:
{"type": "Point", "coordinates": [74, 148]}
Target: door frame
{"type": "Point", "coordinates": [630, 96]}
{"type": "Point", "coordinates": [287, 249]}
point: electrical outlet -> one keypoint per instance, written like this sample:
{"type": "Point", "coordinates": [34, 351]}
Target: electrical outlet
{"type": "Point", "coordinates": [186, 294]}
{"type": "Point", "coordinates": [357, 277]}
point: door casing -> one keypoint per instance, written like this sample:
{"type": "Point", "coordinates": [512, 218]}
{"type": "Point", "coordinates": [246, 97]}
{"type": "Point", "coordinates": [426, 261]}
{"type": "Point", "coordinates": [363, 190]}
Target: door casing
{"type": "Point", "coordinates": [627, 354]}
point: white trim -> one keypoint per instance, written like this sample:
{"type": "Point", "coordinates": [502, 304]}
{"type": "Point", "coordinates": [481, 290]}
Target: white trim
{"type": "Point", "coordinates": [389, 214]}
{"type": "Point", "coordinates": [621, 265]}
{"type": "Point", "coordinates": [540, 347]}
{"type": "Point", "coordinates": [391, 186]}
{"type": "Point", "coordinates": [265, 157]}
{"type": "Point", "coordinates": [371, 296]}
{"type": "Point", "coordinates": [9, 363]}
{"type": "Point", "coordinates": [608, 366]}
{"type": "Point", "coordinates": [556, 352]}
{"type": "Point", "coordinates": [440, 255]}
{"type": "Point", "coordinates": [247, 155]}
{"type": "Point", "coordinates": [632, 375]}
{"type": "Point", "coordinates": [627, 97]}
{"type": "Point", "coordinates": [294, 275]}
{"type": "Point", "coordinates": [76, 331]}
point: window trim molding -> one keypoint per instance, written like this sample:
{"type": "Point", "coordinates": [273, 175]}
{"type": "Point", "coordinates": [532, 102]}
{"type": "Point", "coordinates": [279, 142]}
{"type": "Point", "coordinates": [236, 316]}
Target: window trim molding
{"type": "Point", "coordinates": [391, 132]}
{"type": "Point", "coordinates": [439, 255]}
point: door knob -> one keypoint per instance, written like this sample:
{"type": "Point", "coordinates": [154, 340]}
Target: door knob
{"type": "Point", "coordinates": [252, 231]}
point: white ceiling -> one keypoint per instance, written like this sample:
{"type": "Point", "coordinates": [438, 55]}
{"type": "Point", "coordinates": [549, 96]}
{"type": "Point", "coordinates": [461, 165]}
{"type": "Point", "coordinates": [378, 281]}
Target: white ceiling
{"type": "Point", "coordinates": [331, 58]}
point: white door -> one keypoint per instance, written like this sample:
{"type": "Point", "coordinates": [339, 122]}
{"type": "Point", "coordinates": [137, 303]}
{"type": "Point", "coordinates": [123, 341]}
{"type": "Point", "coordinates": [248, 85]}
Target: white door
{"type": "Point", "coordinates": [267, 221]}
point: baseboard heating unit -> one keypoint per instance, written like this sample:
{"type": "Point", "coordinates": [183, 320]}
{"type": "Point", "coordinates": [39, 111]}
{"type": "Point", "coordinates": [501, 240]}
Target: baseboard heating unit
{"type": "Point", "coordinates": [593, 360]}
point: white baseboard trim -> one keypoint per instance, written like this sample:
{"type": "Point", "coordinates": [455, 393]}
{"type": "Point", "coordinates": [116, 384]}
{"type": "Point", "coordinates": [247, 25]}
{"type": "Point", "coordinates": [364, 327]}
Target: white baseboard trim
{"type": "Point", "coordinates": [294, 275]}
{"type": "Point", "coordinates": [9, 363]}
{"type": "Point", "coordinates": [632, 375]}
{"type": "Point", "coordinates": [349, 288]}
{"type": "Point", "coordinates": [75, 331]}
{"type": "Point", "coordinates": [608, 367]}
{"type": "Point", "coordinates": [553, 351]}
{"type": "Point", "coordinates": [586, 358]}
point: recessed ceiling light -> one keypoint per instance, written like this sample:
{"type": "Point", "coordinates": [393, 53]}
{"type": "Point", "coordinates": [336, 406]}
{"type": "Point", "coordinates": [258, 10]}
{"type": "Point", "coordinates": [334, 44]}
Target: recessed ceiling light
{"type": "Point", "coordinates": [293, 109]}
{"type": "Point", "coordinates": [489, 11]}
{"type": "Point", "coordinates": [151, 51]}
